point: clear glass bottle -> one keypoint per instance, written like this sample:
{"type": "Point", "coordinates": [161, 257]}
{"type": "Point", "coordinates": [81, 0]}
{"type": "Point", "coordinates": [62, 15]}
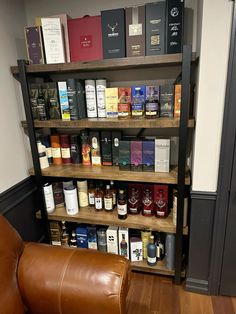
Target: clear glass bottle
{"type": "Point", "coordinates": [108, 199]}
{"type": "Point", "coordinates": [148, 206]}
{"type": "Point", "coordinates": [122, 205]}
{"type": "Point", "coordinates": [151, 252]}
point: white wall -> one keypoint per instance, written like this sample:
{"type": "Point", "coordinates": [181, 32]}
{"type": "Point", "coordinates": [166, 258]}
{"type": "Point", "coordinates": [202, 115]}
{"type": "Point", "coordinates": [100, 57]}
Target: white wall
{"type": "Point", "coordinates": [13, 159]}
{"type": "Point", "coordinates": [215, 40]}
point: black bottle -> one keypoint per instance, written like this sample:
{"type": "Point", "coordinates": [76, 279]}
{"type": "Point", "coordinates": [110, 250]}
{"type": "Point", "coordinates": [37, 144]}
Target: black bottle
{"type": "Point", "coordinates": [151, 252]}
{"type": "Point", "coordinates": [122, 205]}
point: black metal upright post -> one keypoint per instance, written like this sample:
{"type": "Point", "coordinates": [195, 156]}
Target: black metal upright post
{"type": "Point", "coordinates": [183, 138]}
{"type": "Point", "coordinates": [33, 145]}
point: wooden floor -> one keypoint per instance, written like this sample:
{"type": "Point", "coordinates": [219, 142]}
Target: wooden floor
{"type": "Point", "coordinates": [152, 294]}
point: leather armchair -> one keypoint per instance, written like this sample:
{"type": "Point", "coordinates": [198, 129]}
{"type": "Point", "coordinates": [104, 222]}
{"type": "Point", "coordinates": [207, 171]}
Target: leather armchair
{"type": "Point", "coordinates": [44, 279]}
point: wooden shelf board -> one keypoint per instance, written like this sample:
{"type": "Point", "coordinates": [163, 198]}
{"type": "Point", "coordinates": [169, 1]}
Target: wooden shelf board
{"type": "Point", "coordinates": [91, 216]}
{"type": "Point", "coordinates": [106, 64]}
{"type": "Point", "coordinates": [110, 172]}
{"type": "Point", "coordinates": [111, 123]}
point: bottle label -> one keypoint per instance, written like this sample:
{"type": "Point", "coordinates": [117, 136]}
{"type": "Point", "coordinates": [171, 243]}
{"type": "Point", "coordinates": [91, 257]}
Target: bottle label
{"type": "Point", "coordinates": [151, 106]}
{"type": "Point", "coordinates": [91, 199]}
{"type": "Point", "coordinates": [114, 198]}
{"type": "Point", "coordinates": [160, 213]}
{"type": "Point", "coordinates": [133, 210]}
{"type": "Point", "coordinates": [56, 152]}
{"type": "Point", "coordinates": [83, 199]}
{"type": "Point", "coordinates": [122, 209]}
{"type": "Point", "coordinates": [108, 203]}
{"type": "Point", "coordinates": [137, 109]}
{"type": "Point", "coordinates": [65, 152]}
{"type": "Point", "coordinates": [98, 202]}
{"type": "Point", "coordinates": [147, 211]}
{"type": "Point", "coordinates": [158, 251]}
{"type": "Point", "coordinates": [151, 260]}
{"type": "Point", "coordinates": [49, 152]}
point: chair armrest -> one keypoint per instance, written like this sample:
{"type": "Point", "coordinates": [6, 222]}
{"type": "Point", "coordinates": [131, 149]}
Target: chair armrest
{"type": "Point", "coordinates": [63, 280]}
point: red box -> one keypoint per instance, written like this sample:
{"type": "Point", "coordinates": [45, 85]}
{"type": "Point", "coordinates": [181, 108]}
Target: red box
{"type": "Point", "coordinates": [161, 200]}
{"type": "Point", "coordinates": [85, 37]}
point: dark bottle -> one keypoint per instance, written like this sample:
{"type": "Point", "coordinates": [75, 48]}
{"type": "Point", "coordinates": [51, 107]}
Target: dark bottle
{"type": "Point", "coordinates": [151, 252]}
{"type": "Point", "coordinates": [102, 240]}
{"type": "Point", "coordinates": [42, 106]}
{"type": "Point", "coordinates": [108, 199]}
{"type": "Point", "coordinates": [123, 246]}
{"type": "Point", "coordinates": [148, 206]}
{"type": "Point", "coordinates": [152, 104]}
{"type": "Point", "coordinates": [161, 207]}
{"type": "Point", "coordinates": [113, 191]}
{"type": "Point", "coordinates": [73, 240]}
{"type": "Point", "coordinates": [64, 235]}
{"type": "Point", "coordinates": [133, 202]}
{"type": "Point", "coordinates": [91, 195]}
{"type": "Point", "coordinates": [98, 198]}
{"type": "Point", "coordinates": [160, 247]}
{"type": "Point", "coordinates": [122, 205]}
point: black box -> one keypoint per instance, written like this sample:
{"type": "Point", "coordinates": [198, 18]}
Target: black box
{"type": "Point", "coordinates": [106, 148]}
{"type": "Point", "coordinates": [116, 138]}
{"type": "Point", "coordinates": [71, 93]}
{"type": "Point", "coordinates": [167, 100]}
{"type": "Point", "coordinates": [81, 102]}
{"type": "Point", "coordinates": [113, 33]}
{"type": "Point", "coordinates": [155, 28]}
{"type": "Point", "coordinates": [174, 25]}
{"type": "Point", "coordinates": [124, 155]}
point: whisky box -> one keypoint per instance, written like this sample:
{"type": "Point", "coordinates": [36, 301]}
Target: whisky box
{"type": "Point", "coordinates": [138, 101]}
{"type": "Point", "coordinates": [111, 95]}
{"type": "Point", "coordinates": [53, 101]}
{"type": "Point", "coordinates": [34, 45]}
{"type": "Point", "coordinates": [177, 101]}
{"type": "Point", "coordinates": [162, 155]}
{"type": "Point", "coordinates": [64, 101]}
{"type": "Point", "coordinates": [124, 155]}
{"type": "Point", "coordinates": [123, 236]}
{"type": "Point", "coordinates": [155, 28]}
{"type": "Point", "coordinates": [134, 204]}
{"type": "Point", "coordinates": [163, 201]}
{"type": "Point", "coordinates": [91, 100]}
{"type": "Point", "coordinates": [136, 155]}
{"type": "Point", "coordinates": [167, 100]}
{"type": "Point", "coordinates": [113, 33]}
{"type": "Point", "coordinates": [92, 237]}
{"type": "Point", "coordinates": [72, 98]}
{"type": "Point", "coordinates": [112, 239]}
{"type": "Point", "coordinates": [135, 31]}
{"type": "Point", "coordinates": [85, 38]}
{"type": "Point", "coordinates": [85, 148]}
{"type": "Point", "coordinates": [95, 148]}
{"type": "Point", "coordinates": [148, 148]}
{"type": "Point", "coordinates": [75, 149]}
{"type": "Point", "coordinates": [124, 102]}
{"type": "Point", "coordinates": [136, 249]}
{"type": "Point", "coordinates": [116, 138]}
{"type": "Point", "coordinates": [174, 150]}
{"type": "Point", "coordinates": [174, 25]}
{"type": "Point", "coordinates": [34, 92]}
{"type": "Point", "coordinates": [82, 236]}
{"type": "Point", "coordinates": [152, 101]}
{"type": "Point", "coordinates": [53, 40]}
{"type": "Point", "coordinates": [81, 102]}
{"type": "Point", "coordinates": [106, 148]}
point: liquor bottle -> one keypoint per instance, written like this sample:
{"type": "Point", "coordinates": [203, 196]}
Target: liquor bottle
{"type": "Point", "coordinates": [138, 100]}
{"type": "Point", "coordinates": [152, 103]}
{"type": "Point", "coordinates": [102, 240]}
{"type": "Point", "coordinates": [170, 251]}
{"type": "Point", "coordinates": [113, 191]}
{"type": "Point", "coordinates": [73, 240]}
{"type": "Point", "coordinates": [145, 235]}
{"type": "Point", "coordinates": [122, 205]}
{"type": "Point", "coordinates": [123, 246]}
{"type": "Point", "coordinates": [91, 195]}
{"type": "Point", "coordinates": [64, 235]}
{"type": "Point", "coordinates": [151, 252]}
{"type": "Point", "coordinates": [108, 199]}
{"type": "Point", "coordinates": [148, 205]}
{"type": "Point", "coordinates": [133, 202]}
{"type": "Point", "coordinates": [160, 247]}
{"type": "Point", "coordinates": [161, 207]}
{"type": "Point", "coordinates": [65, 148]}
{"type": "Point", "coordinates": [98, 198]}
{"type": "Point", "coordinates": [41, 105]}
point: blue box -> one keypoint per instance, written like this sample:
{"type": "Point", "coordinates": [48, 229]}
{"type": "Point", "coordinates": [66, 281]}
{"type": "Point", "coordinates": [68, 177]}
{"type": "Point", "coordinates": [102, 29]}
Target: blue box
{"type": "Point", "coordinates": [82, 236]}
{"type": "Point", "coordinates": [148, 151]}
{"type": "Point", "coordinates": [138, 101]}
{"type": "Point", "coordinates": [92, 238]}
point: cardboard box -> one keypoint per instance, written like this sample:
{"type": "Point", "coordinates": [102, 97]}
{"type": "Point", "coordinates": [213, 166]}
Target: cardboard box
{"type": "Point", "coordinates": [111, 95]}
{"type": "Point", "coordinates": [85, 37]}
{"type": "Point", "coordinates": [64, 101]}
{"type": "Point", "coordinates": [138, 101]}
{"type": "Point", "coordinates": [116, 138]}
{"type": "Point", "coordinates": [155, 28]}
{"type": "Point", "coordinates": [135, 31]}
{"type": "Point", "coordinates": [162, 155]}
{"type": "Point", "coordinates": [136, 155]}
{"type": "Point", "coordinates": [95, 148]}
{"type": "Point", "coordinates": [136, 249]}
{"type": "Point", "coordinates": [124, 242]}
{"type": "Point", "coordinates": [161, 199]}
{"type": "Point", "coordinates": [113, 33]}
{"type": "Point", "coordinates": [112, 239]}
{"type": "Point", "coordinates": [177, 101]}
{"type": "Point", "coordinates": [135, 204]}
{"type": "Point", "coordinates": [167, 100]}
{"type": "Point", "coordinates": [124, 155]}
{"type": "Point", "coordinates": [124, 102]}
{"type": "Point", "coordinates": [34, 45]}
{"type": "Point", "coordinates": [82, 236]}
{"type": "Point", "coordinates": [106, 148]}
{"type": "Point", "coordinates": [148, 155]}
{"type": "Point", "coordinates": [92, 238]}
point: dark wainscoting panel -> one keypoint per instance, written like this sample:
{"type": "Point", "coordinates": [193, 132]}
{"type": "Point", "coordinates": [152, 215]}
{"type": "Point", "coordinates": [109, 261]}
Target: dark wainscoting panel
{"type": "Point", "coordinates": [18, 205]}
{"type": "Point", "coordinates": [200, 242]}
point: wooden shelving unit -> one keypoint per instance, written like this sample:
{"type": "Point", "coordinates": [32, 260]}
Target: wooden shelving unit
{"type": "Point", "coordinates": [110, 172]}
{"type": "Point", "coordinates": [110, 123]}
{"type": "Point", "coordinates": [91, 216]}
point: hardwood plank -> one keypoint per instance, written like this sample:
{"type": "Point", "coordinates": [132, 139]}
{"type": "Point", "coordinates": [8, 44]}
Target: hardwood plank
{"type": "Point", "coordinates": [222, 305]}
{"type": "Point", "coordinates": [111, 172]}
{"type": "Point", "coordinates": [110, 123]}
{"type": "Point", "coordinates": [106, 64]}
{"type": "Point", "coordinates": [90, 215]}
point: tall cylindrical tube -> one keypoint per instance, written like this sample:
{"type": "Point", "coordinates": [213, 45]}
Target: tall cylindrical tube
{"type": "Point", "coordinates": [91, 101]}
{"type": "Point", "coordinates": [101, 100]}
{"type": "Point", "coordinates": [71, 200]}
{"type": "Point", "coordinates": [49, 199]}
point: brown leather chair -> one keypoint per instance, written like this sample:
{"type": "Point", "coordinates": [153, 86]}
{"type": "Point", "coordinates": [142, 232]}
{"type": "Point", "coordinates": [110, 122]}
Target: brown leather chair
{"type": "Point", "coordinates": [39, 278]}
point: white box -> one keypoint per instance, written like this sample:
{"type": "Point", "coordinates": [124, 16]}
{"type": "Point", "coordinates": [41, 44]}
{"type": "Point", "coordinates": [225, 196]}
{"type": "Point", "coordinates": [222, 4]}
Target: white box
{"type": "Point", "coordinates": [53, 40]}
{"type": "Point", "coordinates": [124, 242]}
{"type": "Point", "coordinates": [162, 155]}
{"type": "Point", "coordinates": [136, 249]}
{"type": "Point", "coordinates": [112, 240]}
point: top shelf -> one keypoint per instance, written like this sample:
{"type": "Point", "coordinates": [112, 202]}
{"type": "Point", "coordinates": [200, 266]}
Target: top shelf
{"type": "Point", "coordinates": [106, 64]}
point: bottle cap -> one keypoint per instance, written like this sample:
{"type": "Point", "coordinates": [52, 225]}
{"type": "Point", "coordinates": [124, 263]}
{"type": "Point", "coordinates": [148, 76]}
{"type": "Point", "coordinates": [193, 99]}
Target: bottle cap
{"type": "Point", "coordinates": [108, 187]}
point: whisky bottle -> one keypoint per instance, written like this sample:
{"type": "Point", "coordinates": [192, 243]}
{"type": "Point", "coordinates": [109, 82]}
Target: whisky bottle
{"type": "Point", "coordinates": [123, 246]}
{"type": "Point", "coordinates": [133, 202]}
{"type": "Point", "coordinates": [122, 205]}
{"type": "Point", "coordinates": [41, 105]}
{"type": "Point", "coordinates": [161, 207]}
{"type": "Point", "coordinates": [64, 235]}
{"type": "Point", "coordinates": [73, 240]}
{"type": "Point", "coordinates": [108, 199]}
{"type": "Point", "coordinates": [148, 205]}
{"type": "Point", "coordinates": [151, 252]}
{"type": "Point", "coordinates": [98, 198]}
{"type": "Point", "coordinates": [160, 247]}
{"type": "Point", "coordinates": [91, 195]}
{"type": "Point", "coordinates": [113, 191]}
{"type": "Point", "coordinates": [152, 102]}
